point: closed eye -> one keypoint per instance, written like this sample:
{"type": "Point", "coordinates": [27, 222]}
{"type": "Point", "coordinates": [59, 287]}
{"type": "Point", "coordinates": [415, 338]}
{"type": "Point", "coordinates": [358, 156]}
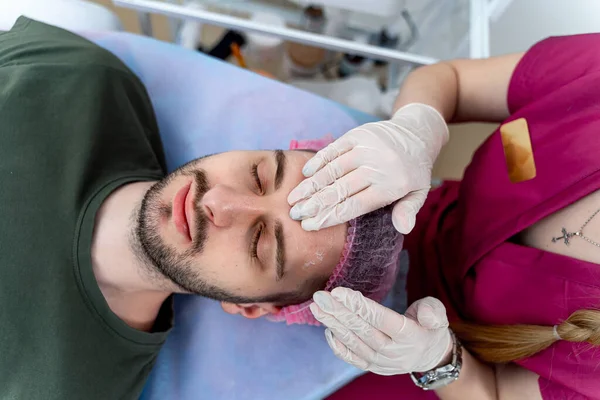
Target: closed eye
{"type": "Point", "coordinates": [257, 178]}
{"type": "Point", "coordinates": [255, 239]}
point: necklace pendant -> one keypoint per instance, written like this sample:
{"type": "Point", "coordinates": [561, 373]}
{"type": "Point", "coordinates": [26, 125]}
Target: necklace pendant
{"type": "Point", "coordinates": [566, 236]}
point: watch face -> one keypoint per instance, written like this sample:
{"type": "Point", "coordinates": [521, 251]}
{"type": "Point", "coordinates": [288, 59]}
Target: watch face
{"type": "Point", "coordinates": [442, 376]}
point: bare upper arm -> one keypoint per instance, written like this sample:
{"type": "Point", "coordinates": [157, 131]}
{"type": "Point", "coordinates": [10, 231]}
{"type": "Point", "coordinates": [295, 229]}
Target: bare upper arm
{"type": "Point", "coordinates": [515, 383]}
{"type": "Point", "coordinates": [483, 87]}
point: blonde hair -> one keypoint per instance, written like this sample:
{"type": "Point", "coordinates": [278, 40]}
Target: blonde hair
{"type": "Point", "coordinates": [505, 343]}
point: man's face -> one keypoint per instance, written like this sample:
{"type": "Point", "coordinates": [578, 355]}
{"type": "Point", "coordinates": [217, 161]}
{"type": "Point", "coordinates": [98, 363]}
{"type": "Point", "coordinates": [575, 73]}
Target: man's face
{"type": "Point", "coordinates": [220, 227]}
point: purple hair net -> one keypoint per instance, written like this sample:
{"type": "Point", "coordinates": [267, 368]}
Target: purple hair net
{"type": "Point", "coordinates": [369, 261]}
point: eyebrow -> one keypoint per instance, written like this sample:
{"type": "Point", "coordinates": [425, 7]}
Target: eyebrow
{"type": "Point", "coordinates": [280, 251]}
{"type": "Point", "coordinates": [280, 160]}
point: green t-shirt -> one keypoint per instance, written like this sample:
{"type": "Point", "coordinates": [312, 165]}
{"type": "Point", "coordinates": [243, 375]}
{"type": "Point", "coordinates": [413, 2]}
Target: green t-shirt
{"type": "Point", "coordinates": [75, 124]}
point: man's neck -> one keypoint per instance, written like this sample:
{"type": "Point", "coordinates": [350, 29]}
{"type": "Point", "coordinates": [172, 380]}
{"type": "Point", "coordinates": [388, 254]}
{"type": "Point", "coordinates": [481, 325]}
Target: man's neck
{"type": "Point", "coordinates": [133, 290]}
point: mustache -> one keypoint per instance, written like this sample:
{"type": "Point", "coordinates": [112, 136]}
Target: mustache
{"type": "Point", "coordinates": [201, 231]}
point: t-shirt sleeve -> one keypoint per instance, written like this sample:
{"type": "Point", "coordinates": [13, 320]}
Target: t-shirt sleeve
{"type": "Point", "coordinates": [30, 42]}
{"type": "Point", "coordinates": [552, 64]}
{"type": "Point", "coordinates": [54, 63]}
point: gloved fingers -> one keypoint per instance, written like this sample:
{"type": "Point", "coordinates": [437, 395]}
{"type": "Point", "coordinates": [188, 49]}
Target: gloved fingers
{"type": "Point", "coordinates": [429, 312]}
{"type": "Point", "coordinates": [379, 317]}
{"type": "Point", "coordinates": [360, 355]}
{"type": "Point", "coordinates": [329, 318]}
{"type": "Point", "coordinates": [328, 154]}
{"type": "Point", "coordinates": [330, 173]}
{"type": "Point", "coordinates": [351, 340]}
{"type": "Point", "coordinates": [361, 203]}
{"type": "Point", "coordinates": [323, 220]}
{"type": "Point", "coordinates": [343, 353]}
{"type": "Point", "coordinates": [357, 303]}
{"type": "Point", "coordinates": [329, 196]}
{"type": "Point", "coordinates": [349, 326]}
{"type": "Point", "coordinates": [365, 201]}
{"type": "Point", "coordinates": [406, 209]}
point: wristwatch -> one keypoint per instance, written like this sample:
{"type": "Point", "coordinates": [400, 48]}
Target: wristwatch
{"type": "Point", "coordinates": [442, 376]}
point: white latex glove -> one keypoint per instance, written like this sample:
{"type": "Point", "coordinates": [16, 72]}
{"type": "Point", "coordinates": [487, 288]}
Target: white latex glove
{"type": "Point", "coordinates": [374, 338]}
{"type": "Point", "coordinates": [370, 167]}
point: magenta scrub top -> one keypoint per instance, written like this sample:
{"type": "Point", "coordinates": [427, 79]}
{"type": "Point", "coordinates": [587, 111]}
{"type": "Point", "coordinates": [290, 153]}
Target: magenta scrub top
{"type": "Point", "coordinates": [461, 251]}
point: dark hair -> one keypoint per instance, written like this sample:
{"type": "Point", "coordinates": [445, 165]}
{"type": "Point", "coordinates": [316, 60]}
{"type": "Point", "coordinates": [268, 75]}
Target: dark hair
{"type": "Point", "coordinates": [304, 293]}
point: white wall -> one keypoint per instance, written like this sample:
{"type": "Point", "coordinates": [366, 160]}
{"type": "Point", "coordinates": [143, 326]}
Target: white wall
{"type": "Point", "coordinates": [527, 21]}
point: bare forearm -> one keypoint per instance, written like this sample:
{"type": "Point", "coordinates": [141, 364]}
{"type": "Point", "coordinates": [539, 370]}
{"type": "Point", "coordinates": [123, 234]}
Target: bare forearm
{"type": "Point", "coordinates": [477, 381]}
{"type": "Point", "coordinates": [435, 85]}
{"type": "Point", "coordinates": [463, 90]}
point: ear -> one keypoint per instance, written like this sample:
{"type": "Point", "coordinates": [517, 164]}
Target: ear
{"type": "Point", "coordinates": [251, 311]}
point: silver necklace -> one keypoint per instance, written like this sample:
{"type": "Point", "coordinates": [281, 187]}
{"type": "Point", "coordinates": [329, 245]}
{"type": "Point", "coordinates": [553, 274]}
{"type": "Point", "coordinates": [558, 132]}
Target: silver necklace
{"type": "Point", "coordinates": [566, 236]}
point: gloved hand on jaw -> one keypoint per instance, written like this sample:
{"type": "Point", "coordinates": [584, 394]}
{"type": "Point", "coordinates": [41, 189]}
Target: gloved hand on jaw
{"type": "Point", "coordinates": [374, 338]}
{"type": "Point", "coordinates": [370, 167]}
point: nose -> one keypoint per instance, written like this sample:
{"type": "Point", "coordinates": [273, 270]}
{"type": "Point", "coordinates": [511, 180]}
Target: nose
{"type": "Point", "coordinates": [226, 206]}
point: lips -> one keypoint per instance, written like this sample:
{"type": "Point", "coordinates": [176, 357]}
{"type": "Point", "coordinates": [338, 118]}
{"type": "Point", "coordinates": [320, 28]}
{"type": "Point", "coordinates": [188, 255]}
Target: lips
{"type": "Point", "coordinates": [180, 217]}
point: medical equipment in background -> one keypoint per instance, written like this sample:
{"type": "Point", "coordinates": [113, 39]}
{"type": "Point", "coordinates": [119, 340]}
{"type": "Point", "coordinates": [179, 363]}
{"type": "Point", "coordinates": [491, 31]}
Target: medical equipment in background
{"type": "Point", "coordinates": [190, 32]}
{"type": "Point", "coordinates": [445, 28]}
{"type": "Point", "coordinates": [234, 14]}
{"type": "Point", "coordinates": [301, 59]}
{"type": "Point", "coordinates": [382, 8]}
{"type": "Point", "coordinates": [265, 52]}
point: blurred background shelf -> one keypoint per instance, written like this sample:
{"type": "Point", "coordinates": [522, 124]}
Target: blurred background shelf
{"type": "Point", "coordinates": [441, 26]}
{"type": "Point", "coordinates": [382, 40]}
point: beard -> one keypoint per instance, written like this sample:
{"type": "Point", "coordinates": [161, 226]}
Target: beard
{"type": "Point", "coordinates": [173, 265]}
